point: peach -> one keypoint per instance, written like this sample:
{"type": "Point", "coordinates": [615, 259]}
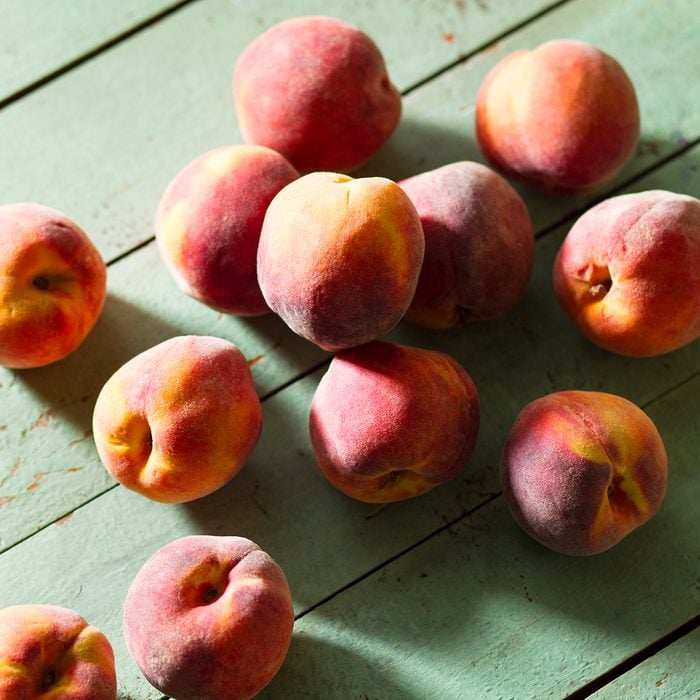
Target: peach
{"type": "Point", "coordinates": [581, 469]}
{"type": "Point", "coordinates": [478, 245]}
{"type": "Point", "coordinates": [389, 422]}
{"type": "Point", "coordinates": [315, 89]}
{"type": "Point", "coordinates": [562, 118]}
{"type": "Point", "coordinates": [208, 224]}
{"type": "Point", "coordinates": [339, 258]}
{"type": "Point", "coordinates": [628, 273]}
{"type": "Point", "coordinates": [52, 285]}
{"type": "Point", "coordinates": [209, 618]}
{"type": "Point", "coordinates": [48, 651]}
{"type": "Point", "coordinates": [179, 420]}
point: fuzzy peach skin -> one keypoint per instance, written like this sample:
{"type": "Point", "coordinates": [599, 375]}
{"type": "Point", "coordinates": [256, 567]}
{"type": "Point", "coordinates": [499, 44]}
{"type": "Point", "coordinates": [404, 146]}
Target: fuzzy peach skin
{"type": "Point", "coordinates": [52, 285]}
{"type": "Point", "coordinates": [563, 117]}
{"type": "Point", "coordinates": [628, 273]}
{"type": "Point", "coordinates": [209, 618]}
{"type": "Point", "coordinates": [52, 653]}
{"type": "Point", "coordinates": [208, 224]}
{"type": "Point", "coordinates": [179, 420]}
{"type": "Point", "coordinates": [315, 89]}
{"type": "Point", "coordinates": [581, 469]}
{"type": "Point", "coordinates": [339, 258]}
{"type": "Point", "coordinates": [478, 245]}
{"type": "Point", "coordinates": [389, 422]}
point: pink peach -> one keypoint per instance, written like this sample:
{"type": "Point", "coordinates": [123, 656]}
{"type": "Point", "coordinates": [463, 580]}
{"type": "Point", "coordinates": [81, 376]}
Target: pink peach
{"type": "Point", "coordinates": [315, 89]}
{"type": "Point", "coordinates": [563, 117]}
{"type": "Point", "coordinates": [208, 224]}
{"type": "Point", "coordinates": [478, 245]}
{"type": "Point", "coordinates": [389, 422]}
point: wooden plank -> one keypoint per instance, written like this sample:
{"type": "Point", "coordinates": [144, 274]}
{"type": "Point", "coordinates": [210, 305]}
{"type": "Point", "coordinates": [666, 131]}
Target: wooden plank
{"type": "Point", "coordinates": [481, 610]}
{"type": "Point", "coordinates": [102, 142]}
{"type": "Point", "coordinates": [324, 540]}
{"type": "Point", "coordinates": [670, 673]}
{"type": "Point", "coordinates": [48, 462]}
{"type": "Point", "coordinates": [145, 307]}
{"type": "Point", "coordinates": [40, 37]}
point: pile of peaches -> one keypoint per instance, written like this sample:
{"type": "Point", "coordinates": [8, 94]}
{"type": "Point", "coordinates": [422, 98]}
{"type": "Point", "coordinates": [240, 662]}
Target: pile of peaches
{"type": "Point", "coordinates": [277, 225]}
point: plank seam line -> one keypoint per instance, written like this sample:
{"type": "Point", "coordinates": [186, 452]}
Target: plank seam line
{"type": "Point", "coordinates": [634, 660]}
{"type": "Point", "coordinates": [463, 58]}
{"type": "Point", "coordinates": [570, 216]}
{"type": "Point", "coordinates": [575, 213]}
{"type": "Point", "coordinates": [264, 397]}
{"type": "Point", "coordinates": [92, 53]}
{"type": "Point", "coordinates": [451, 523]}
{"type": "Point", "coordinates": [398, 555]}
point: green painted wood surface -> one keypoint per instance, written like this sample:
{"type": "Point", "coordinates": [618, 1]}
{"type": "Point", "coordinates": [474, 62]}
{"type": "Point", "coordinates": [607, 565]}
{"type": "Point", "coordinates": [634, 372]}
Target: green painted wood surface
{"type": "Point", "coordinates": [40, 37]}
{"type": "Point", "coordinates": [495, 614]}
{"type": "Point", "coordinates": [482, 611]}
{"type": "Point", "coordinates": [673, 672]}
{"type": "Point", "coordinates": [145, 307]}
{"type": "Point", "coordinates": [102, 142]}
{"type": "Point", "coordinates": [281, 501]}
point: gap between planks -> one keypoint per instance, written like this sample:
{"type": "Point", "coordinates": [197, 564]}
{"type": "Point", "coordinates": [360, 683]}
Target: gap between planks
{"type": "Point", "coordinates": [92, 53]}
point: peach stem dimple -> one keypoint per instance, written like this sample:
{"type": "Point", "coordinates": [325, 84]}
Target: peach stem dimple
{"type": "Point", "coordinates": [41, 282]}
{"type": "Point", "coordinates": [600, 289]}
{"type": "Point", "coordinates": [49, 679]}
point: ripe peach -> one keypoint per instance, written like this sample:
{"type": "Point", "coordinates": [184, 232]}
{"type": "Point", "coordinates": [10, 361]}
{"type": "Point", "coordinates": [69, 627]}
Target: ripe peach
{"type": "Point", "coordinates": [52, 285]}
{"type": "Point", "coordinates": [316, 90]}
{"type": "Point", "coordinates": [209, 618]}
{"type": "Point", "coordinates": [179, 420]}
{"type": "Point", "coordinates": [209, 220]}
{"type": "Point", "coordinates": [51, 652]}
{"type": "Point", "coordinates": [628, 273]}
{"type": "Point", "coordinates": [563, 117]}
{"type": "Point", "coordinates": [339, 258]}
{"type": "Point", "coordinates": [478, 245]}
{"type": "Point", "coordinates": [389, 422]}
{"type": "Point", "coordinates": [581, 469]}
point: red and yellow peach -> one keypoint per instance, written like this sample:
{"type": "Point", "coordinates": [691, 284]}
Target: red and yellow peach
{"type": "Point", "coordinates": [208, 224]}
{"type": "Point", "coordinates": [339, 258]}
{"type": "Point", "coordinates": [179, 420]}
{"type": "Point", "coordinates": [581, 469]}
{"type": "Point", "coordinates": [209, 618]}
{"type": "Point", "coordinates": [478, 245]}
{"type": "Point", "coordinates": [315, 89]}
{"type": "Point", "coordinates": [389, 422]}
{"type": "Point", "coordinates": [52, 285]}
{"type": "Point", "coordinates": [47, 651]}
{"type": "Point", "coordinates": [628, 273]}
{"type": "Point", "coordinates": [563, 117]}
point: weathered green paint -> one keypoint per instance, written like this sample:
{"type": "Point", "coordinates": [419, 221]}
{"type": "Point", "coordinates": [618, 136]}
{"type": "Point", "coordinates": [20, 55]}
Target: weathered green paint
{"type": "Point", "coordinates": [40, 37]}
{"type": "Point", "coordinates": [102, 142]}
{"type": "Point", "coordinates": [324, 540]}
{"type": "Point", "coordinates": [482, 611]}
{"type": "Point", "coordinates": [495, 615]}
{"type": "Point", "coordinates": [673, 673]}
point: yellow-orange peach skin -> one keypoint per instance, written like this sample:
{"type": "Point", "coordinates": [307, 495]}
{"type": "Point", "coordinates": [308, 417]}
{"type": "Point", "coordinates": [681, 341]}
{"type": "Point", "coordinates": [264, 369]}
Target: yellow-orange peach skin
{"type": "Point", "coordinates": [581, 469]}
{"type": "Point", "coordinates": [52, 285]}
{"type": "Point", "coordinates": [208, 224]}
{"type": "Point", "coordinates": [628, 273]}
{"type": "Point", "coordinates": [339, 258]}
{"type": "Point", "coordinates": [179, 420]}
{"type": "Point", "coordinates": [209, 618]}
{"type": "Point", "coordinates": [389, 422]}
{"type": "Point", "coordinates": [315, 89]}
{"type": "Point", "coordinates": [49, 652]}
{"type": "Point", "coordinates": [563, 117]}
